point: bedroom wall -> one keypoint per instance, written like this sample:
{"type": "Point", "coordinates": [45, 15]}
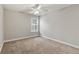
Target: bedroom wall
{"type": "Point", "coordinates": [1, 27]}
{"type": "Point", "coordinates": [17, 25]}
{"type": "Point", "coordinates": [62, 25]}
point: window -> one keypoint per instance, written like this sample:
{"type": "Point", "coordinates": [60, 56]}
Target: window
{"type": "Point", "coordinates": [34, 24]}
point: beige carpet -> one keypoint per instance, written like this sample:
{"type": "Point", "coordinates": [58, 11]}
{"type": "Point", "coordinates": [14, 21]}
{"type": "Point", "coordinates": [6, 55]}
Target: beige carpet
{"type": "Point", "coordinates": [37, 45]}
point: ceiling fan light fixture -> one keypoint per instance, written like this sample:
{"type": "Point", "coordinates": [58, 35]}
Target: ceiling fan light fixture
{"type": "Point", "coordinates": [36, 12]}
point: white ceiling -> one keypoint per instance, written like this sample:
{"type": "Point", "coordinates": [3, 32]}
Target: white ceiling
{"type": "Point", "coordinates": [26, 8]}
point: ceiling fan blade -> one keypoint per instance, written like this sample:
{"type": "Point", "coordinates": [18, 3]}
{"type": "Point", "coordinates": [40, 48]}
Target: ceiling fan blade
{"type": "Point", "coordinates": [35, 6]}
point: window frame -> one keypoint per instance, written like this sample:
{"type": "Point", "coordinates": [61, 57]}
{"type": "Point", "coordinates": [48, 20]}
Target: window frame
{"type": "Point", "coordinates": [35, 25]}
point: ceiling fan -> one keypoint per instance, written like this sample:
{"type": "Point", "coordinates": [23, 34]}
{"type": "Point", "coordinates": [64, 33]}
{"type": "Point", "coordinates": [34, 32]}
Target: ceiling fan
{"type": "Point", "coordinates": [38, 9]}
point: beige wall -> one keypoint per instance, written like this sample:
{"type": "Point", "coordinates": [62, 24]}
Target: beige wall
{"type": "Point", "coordinates": [17, 25]}
{"type": "Point", "coordinates": [1, 25]}
{"type": "Point", "coordinates": [62, 25]}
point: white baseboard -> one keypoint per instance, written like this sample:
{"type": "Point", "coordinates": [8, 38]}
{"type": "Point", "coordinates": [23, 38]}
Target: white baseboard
{"type": "Point", "coordinates": [74, 46]}
{"type": "Point", "coordinates": [21, 38]}
{"type": "Point", "coordinates": [1, 45]}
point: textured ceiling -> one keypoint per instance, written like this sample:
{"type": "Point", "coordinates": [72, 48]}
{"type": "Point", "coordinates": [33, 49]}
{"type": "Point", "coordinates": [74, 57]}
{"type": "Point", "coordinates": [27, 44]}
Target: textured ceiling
{"type": "Point", "coordinates": [27, 8]}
